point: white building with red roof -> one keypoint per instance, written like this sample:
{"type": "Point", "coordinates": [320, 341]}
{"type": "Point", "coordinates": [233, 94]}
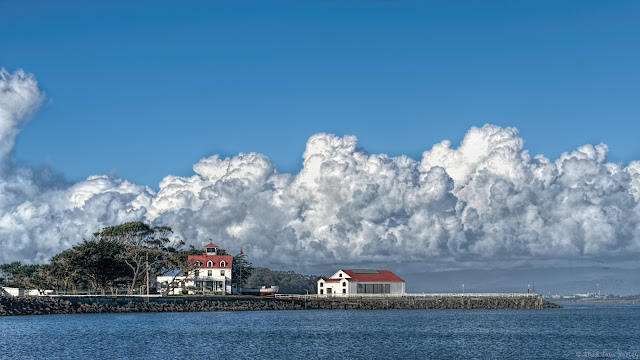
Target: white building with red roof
{"type": "Point", "coordinates": [361, 281]}
{"type": "Point", "coordinates": [211, 274]}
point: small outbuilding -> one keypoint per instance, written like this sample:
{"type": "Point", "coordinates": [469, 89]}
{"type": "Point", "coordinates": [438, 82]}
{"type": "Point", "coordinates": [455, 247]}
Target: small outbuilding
{"type": "Point", "coordinates": [361, 281]}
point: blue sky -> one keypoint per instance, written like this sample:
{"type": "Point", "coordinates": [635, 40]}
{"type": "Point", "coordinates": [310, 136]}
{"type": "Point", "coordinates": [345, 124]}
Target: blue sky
{"type": "Point", "coordinates": [144, 89]}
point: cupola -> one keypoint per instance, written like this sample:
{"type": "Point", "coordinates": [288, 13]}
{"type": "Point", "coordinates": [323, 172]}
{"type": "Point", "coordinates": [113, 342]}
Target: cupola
{"type": "Point", "coordinates": [211, 249]}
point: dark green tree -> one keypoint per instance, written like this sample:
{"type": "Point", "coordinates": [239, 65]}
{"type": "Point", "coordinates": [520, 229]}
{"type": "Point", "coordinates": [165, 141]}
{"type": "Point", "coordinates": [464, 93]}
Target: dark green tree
{"type": "Point", "coordinates": [101, 264]}
{"type": "Point", "coordinates": [67, 270]}
{"type": "Point", "coordinates": [41, 280]}
{"type": "Point", "coordinates": [241, 270]}
{"type": "Point", "coordinates": [145, 249]}
{"type": "Point", "coordinates": [17, 275]}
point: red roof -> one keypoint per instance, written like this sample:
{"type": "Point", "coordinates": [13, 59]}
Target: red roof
{"type": "Point", "coordinates": [215, 259]}
{"type": "Point", "coordinates": [210, 245]}
{"type": "Point", "coordinates": [382, 275]}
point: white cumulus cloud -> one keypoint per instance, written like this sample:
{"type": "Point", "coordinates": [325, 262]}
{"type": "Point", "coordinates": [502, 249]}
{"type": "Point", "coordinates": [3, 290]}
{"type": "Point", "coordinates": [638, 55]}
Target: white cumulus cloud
{"type": "Point", "coordinates": [486, 200]}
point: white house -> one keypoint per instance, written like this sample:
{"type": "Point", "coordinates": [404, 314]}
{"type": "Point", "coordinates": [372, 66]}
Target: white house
{"type": "Point", "coordinates": [361, 281]}
{"type": "Point", "coordinates": [212, 274]}
{"type": "Point", "coordinates": [11, 291]}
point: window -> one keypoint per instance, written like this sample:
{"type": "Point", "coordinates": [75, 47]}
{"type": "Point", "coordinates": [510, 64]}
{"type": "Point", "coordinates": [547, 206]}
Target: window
{"type": "Point", "coordinates": [344, 291]}
{"type": "Point", "coordinates": [223, 264]}
{"type": "Point", "coordinates": [209, 263]}
{"type": "Point", "coordinates": [321, 291]}
{"type": "Point", "coordinates": [211, 250]}
{"type": "Point", "coordinates": [221, 272]}
{"type": "Point", "coordinates": [344, 284]}
{"type": "Point", "coordinates": [196, 273]}
{"type": "Point", "coordinates": [209, 272]}
{"type": "Point", "coordinates": [321, 284]}
{"type": "Point", "coordinates": [198, 263]}
{"type": "Point", "coordinates": [374, 288]}
{"type": "Point", "coordinates": [340, 274]}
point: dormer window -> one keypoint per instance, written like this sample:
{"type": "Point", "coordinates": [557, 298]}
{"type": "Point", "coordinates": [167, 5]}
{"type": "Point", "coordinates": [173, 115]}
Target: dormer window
{"type": "Point", "coordinates": [197, 263]}
{"type": "Point", "coordinates": [223, 264]}
{"type": "Point", "coordinates": [209, 263]}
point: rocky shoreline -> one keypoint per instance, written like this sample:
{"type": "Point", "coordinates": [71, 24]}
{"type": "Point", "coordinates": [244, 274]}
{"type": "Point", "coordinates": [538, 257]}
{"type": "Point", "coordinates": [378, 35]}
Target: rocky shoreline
{"type": "Point", "coordinates": [36, 305]}
{"type": "Point", "coordinates": [463, 302]}
{"type": "Point", "coordinates": [86, 305]}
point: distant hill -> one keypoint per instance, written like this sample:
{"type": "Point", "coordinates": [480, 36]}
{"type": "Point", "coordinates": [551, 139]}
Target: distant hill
{"type": "Point", "coordinates": [289, 282]}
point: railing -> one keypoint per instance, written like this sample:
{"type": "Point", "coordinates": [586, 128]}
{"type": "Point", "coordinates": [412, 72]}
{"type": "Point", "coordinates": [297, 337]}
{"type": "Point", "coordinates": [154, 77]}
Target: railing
{"type": "Point", "coordinates": [92, 293]}
{"type": "Point", "coordinates": [106, 295]}
{"type": "Point", "coordinates": [405, 295]}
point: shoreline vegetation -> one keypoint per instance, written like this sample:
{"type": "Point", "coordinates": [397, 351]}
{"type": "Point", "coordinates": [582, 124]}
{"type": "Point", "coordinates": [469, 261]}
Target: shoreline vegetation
{"type": "Point", "coordinates": [45, 305]}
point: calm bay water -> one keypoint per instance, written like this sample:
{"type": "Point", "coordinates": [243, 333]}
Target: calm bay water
{"type": "Point", "coordinates": [577, 331]}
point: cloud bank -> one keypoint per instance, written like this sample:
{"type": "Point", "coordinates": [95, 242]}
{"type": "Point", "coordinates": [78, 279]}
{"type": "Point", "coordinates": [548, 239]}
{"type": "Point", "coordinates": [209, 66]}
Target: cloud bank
{"type": "Point", "coordinates": [487, 200]}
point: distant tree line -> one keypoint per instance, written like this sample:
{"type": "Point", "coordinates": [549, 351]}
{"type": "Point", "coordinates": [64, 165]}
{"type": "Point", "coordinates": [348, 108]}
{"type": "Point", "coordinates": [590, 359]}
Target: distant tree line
{"type": "Point", "coordinates": [118, 257]}
{"type": "Point", "coordinates": [289, 282]}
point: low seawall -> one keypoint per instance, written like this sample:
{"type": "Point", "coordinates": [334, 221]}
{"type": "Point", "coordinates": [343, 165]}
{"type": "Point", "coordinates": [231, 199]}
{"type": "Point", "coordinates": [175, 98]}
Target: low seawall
{"type": "Point", "coordinates": [84, 305]}
{"type": "Point", "coordinates": [79, 305]}
{"type": "Point", "coordinates": [448, 302]}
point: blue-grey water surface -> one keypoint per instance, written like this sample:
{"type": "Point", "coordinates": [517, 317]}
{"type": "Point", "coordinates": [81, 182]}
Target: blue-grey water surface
{"type": "Point", "coordinates": [577, 331]}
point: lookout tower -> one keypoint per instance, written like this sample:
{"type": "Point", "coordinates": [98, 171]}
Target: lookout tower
{"type": "Point", "coordinates": [211, 249]}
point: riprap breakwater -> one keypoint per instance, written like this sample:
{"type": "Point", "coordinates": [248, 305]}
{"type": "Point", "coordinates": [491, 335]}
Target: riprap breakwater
{"type": "Point", "coordinates": [40, 305]}
{"type": "Point", "coordinates": [79, 305]}
{"type": "Point", "coordinates": [420, 302]}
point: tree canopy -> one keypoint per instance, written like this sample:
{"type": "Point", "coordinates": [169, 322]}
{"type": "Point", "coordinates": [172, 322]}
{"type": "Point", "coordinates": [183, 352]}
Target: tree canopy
{"type": "Point", "coordinates": [241, 270]}
{"type": "Point", "coordinates": [144, 249]}
{"type": "Point", "coordinates": [17, 275]}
